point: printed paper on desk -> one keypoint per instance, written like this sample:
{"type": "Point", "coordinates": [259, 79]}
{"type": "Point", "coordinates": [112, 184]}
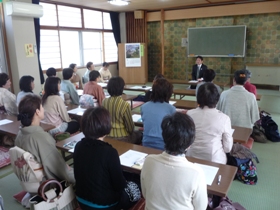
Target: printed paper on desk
{"type": "Point", "coordinates": [130, 157]}
{"type": "Point", "coordinates": [77, 111]}
{"type": "Point", "coordinates": [193, 81]}
{"type": "Point", "coordinates": [140, 87]}
{"type": "Point", "coordinates": [172, 102]}
{"type": "Point", "coordinates": [136, 118]}
{"type": "Point", "coordinates": [102, 84]}
{"type": "Point", "coordinates": [5, 121]}
{"type": "Point", "coordinates": [209, 171]}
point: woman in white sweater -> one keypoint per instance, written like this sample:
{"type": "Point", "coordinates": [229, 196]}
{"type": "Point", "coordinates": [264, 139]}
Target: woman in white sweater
{"type": "Point", "coordinates": [213, 135]}
{"type": "Point", "coordinates": [55, 109]}
{"type": "Point", "coordinates": [169, 180]}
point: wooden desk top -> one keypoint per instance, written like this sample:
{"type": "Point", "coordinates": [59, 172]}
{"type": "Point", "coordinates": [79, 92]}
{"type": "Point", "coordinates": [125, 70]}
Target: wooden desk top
{"type": "Point", "coordinates": [185, 104]}
{"type": "Point", "coordinates": [240, 134]}
{"type": "Point", "coordinates": [13, 127]}
{"type": "Point", "coordinates": [189, 92]}
{"type": "Point", "coordinates": [227, 172]}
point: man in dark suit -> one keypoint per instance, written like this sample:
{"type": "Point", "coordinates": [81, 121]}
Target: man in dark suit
{"type": "Point", "coordinates": [198, 69]}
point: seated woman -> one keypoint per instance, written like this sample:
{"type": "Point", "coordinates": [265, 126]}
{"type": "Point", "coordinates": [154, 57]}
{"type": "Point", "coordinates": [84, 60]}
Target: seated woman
{"type": "Point", "coordinates": [239, 104]}
{"type": "Point", "coordinates": [68, 87]}
{"type": "Point", "coordinates": [169, 180]}
{"type": "Point", "coordinates": [55, 110]}
{"type": "Point", "coordinates": [105, 72]}
{"type": "Point", "coordinates": [213, 136]}
{"type": "Point", "coordinates": [7, 99]}
{"type": "Point", "coordinates": [76, 79]}
{"type": "Point", "coordinates": [154, 111]}
{"type": "Point", "coordinates": [92, 88]}
{"type": "Point", "coordinates": [26, 85]}
{"type": "Point", "coordinates": [100, 183]}
{"type": "Point", "coordinates": [208, 76]}
{"type": "Point", "coordinates": [34, 139]}
{"type": "Point", "coordinates": [120, 112]}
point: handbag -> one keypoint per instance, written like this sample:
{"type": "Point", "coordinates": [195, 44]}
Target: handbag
{"type": "Point", "coordinates": [54, 195]}
{"type": "Point", "coordinates": [227, 204]}
{"type": "Point", "coordinates": [133, 191]}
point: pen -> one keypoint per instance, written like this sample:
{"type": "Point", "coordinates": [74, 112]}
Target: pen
{"type": "Point", "coordinates": [219, 179]}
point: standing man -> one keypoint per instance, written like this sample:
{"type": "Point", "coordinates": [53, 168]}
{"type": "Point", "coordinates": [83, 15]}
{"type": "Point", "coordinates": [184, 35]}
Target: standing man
{"type": "Point", "coordinates": [198, 69]}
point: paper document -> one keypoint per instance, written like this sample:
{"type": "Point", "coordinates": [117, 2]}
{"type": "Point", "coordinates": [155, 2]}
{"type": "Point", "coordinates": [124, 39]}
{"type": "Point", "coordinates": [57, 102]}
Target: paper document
{"type": "Point", "coordinates": [140, 87]}
{"type": "Point", "coordinates": [232, 131]}
{"type": "Point", "coordinates": [5, 121]}
{"type": "Point", "coordinates": [102, 84]}
{"type": "Point", "coordinates": [77, 111]}
{"type": "Point", "coordinates": [136, 118]}
{"type": "Point", "coordinates": [172, 102]}
{"type": "Point", "coordinates": [209, 171]}
{"type": "Point", "coordinates": [193, 81]}
{"type": "Point", "coordinates": [132, 157]}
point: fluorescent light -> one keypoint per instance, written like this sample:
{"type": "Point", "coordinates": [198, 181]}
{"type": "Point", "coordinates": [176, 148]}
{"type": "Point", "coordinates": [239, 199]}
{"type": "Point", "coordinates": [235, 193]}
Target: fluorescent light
{"type": "Point", "coordinates": [118, 2]}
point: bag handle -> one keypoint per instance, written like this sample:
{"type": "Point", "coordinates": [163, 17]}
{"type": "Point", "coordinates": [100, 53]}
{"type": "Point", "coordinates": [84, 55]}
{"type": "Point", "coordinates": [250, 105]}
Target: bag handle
{"type": "Point", "coordinates": [41, 189]}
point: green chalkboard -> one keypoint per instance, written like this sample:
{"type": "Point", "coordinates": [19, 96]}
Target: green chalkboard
{"type": "Point", "coordinates": [226, 41]}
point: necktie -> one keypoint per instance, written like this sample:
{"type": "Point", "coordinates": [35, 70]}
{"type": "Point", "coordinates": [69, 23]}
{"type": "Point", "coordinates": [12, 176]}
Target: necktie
{"type": "Point", "coordinates": [197, 73]}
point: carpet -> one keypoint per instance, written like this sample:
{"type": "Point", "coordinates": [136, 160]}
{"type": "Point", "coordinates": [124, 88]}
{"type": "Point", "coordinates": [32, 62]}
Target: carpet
{"type": "Point", "coordinates": [4, 157]}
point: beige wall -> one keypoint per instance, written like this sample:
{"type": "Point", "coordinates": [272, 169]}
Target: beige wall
{"type": "Point", "coordinates": [20, 31]}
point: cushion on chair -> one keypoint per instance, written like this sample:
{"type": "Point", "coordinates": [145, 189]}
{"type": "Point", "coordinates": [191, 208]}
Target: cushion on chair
{"type": "Point", "coordinates": [249, 143]}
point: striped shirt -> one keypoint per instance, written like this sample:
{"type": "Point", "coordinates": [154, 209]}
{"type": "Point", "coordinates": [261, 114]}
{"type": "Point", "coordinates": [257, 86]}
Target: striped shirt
{"type": "Point", "coordinates": [121, 118]}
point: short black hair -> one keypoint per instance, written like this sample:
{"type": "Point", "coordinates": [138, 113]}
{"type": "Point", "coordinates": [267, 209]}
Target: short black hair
{"type": "Point", "coordinates": [93, 75]}
{"type": "Point", "coordinates": [200, 57]}
{"type": "Point", "coordinates": [25, 83]}
{"type": "Point", "coordinates": [207, 95]}
{"type": "Point", "coordinates": [115, 86]}
{"type": "Point", "coordinates": [51, 72]}
{"type": "Point", "coordinates": [96, 122]}
{"type": "Point", "coordinates": [27, 108]}
{"type": "Point", "coordinates": [67, 73]}
{"type": "Point", "coordinates": [105, 64]}
{"type": "Point", "coordinates": [72, 65]}
{"type": "Point", "coordinates": [209, 75]}
{"type": "Point", "coordinates": [51, 88]}
{"type": "Point", "coordinates": [89, 65]}
{"type": "Point", "coordinates": [3, 79]}
{"type": "Point", "coordinates": [158, 76]}
{"type": "Point", "coordinates": [240, 77]}
{"type": "Point", "coordinates": [161, 91]}
{"type": "Point", "coordinates": [178, 132]}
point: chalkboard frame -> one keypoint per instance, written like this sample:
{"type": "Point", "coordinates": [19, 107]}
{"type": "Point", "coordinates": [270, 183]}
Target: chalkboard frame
{"type": "Point", "coordinates": [232, 45]}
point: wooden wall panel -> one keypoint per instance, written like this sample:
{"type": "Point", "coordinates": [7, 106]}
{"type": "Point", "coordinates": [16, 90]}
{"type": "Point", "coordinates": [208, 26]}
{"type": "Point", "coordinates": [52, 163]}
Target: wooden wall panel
{"type": "Point", "coordinates": [136, 29]}
{"type": "Point", "coordinates": [217, 11]}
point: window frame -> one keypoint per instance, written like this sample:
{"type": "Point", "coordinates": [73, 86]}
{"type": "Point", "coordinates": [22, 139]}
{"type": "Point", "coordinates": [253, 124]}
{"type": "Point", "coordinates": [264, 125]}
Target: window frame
{"type": "Point", "coordinates": [79, 29]}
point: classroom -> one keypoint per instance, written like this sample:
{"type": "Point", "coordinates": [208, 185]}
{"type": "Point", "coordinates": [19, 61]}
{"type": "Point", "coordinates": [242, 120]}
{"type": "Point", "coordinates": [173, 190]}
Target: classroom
{"type": "Point", "coordinates": [67, 35]}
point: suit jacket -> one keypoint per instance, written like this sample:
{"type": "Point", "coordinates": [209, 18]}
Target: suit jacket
{"type": "Point", "coordinates": [194, 71]}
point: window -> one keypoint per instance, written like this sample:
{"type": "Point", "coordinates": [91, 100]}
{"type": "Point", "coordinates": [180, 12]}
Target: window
{"type": "Point", "coordinates": [75, 35]}
{"type": "Point", "coordinates": [70, 49]}
{"type": "Point", "coordinates": [92, 48]}
{"type": "Point", "coordinates": [50, 51]}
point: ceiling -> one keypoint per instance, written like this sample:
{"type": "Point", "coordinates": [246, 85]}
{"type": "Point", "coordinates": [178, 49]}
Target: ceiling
{"type": "Point", "coordinates": [151, 5]}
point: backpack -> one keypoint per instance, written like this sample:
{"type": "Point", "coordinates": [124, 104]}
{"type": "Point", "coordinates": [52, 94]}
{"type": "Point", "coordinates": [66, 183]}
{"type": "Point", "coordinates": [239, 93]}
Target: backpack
{"type": "Point", "coordinates": [258, 134]}
{"type": "Point", "coordinates": [247, 173]}
{"type": "Point", "coordinates": [270, 127]}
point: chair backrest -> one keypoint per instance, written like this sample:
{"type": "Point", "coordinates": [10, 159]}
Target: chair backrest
{"type": "Point", "coordinates": [66, 97]}
{"type": "Point", "coordinates": [29, 171]}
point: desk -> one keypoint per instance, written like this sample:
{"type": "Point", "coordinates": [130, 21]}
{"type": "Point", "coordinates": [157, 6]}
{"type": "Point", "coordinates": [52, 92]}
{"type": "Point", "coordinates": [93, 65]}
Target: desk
{"type": "Point", "coordinates": [258, 97]}
{"type": "Point", "coordinates": [185, 104]}
{"type": "Point", "coordinates": [240, 134]}
{"type": "Point", "coordinates": [227, 172]}
{"type": "Point", "coordinates": [13, 127]}
{"type": "Point", "coordinates": [183, 92]}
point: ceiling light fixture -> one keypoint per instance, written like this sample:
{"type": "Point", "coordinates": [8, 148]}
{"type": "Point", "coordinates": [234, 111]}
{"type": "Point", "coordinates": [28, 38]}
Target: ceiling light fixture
{"type": "Point", "coordinates": [119, 2]}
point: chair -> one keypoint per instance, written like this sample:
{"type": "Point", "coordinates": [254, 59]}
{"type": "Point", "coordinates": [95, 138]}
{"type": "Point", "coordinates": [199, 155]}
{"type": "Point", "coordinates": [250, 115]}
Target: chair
{"type": "Point", "coordinates": [28, 170]}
